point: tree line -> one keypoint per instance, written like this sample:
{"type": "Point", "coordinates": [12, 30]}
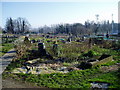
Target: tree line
{"type": "Point", "coordinates": [89, 27]}
{"type": "Point", "coordinates": [17, 26]}
{"type": "Point", "coordinates": [21, 25]}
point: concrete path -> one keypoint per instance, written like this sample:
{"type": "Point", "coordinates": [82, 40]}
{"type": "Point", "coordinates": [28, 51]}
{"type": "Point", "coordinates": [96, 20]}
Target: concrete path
{"type": "Point", "coordinates": [6, 59]}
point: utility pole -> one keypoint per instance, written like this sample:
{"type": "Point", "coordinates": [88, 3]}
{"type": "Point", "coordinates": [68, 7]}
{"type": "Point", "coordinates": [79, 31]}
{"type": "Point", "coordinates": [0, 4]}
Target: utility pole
{"type": "Point", "coordinates": [112, 24]}
{"type": "Point", "coordinates": [97, 23]}
{"type": "Point", "coordinates": [97, 17]}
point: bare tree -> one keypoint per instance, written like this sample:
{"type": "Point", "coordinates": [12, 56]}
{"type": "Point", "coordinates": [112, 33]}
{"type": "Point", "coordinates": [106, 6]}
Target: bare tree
{"type": "Point", "coordinates": [21, 25]}
{"type": "Point", "coordinates": [9, 25]}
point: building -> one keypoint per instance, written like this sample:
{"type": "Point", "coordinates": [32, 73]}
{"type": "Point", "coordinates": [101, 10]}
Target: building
{"type": "Point", "coordinates": [119, 18]}
{"type": "Point", "coordinates": [115, 29]}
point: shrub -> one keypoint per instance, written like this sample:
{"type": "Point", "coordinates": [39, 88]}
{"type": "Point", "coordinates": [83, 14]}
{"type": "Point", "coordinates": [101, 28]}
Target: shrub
{"type": "Point", "coordinates": [89, 54]}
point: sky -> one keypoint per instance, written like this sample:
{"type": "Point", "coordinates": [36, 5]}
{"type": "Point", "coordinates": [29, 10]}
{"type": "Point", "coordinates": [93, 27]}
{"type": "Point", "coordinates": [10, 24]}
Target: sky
{"type": "Point", "coordinates": [40, 13]}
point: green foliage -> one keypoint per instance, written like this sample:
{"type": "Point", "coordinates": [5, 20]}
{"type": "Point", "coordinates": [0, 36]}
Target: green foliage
{"type": "Point", "coordinates": [111, 63]}
{"type": "Point", "coordinates": [101, 51]}
{"type": "Point", "coordinates": [66, 64]}
{"type": "Point", "coordinates": [15, 64]}
{"type": "Point", "coordinates": [90, 54]}
{"type": "Point", "coordinates": [111, 77]}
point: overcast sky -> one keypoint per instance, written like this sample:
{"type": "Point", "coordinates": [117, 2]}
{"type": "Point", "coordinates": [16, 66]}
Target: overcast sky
{"type": "Point", "coordinates": [48, 13]}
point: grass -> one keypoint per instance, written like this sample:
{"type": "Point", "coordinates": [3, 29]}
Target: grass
{"type": "Point", "coordinates": [68, 50]}
{"type": "Point", "coordinates": [111, 77]}
{"type": "Point", "coordinates": [15, 64]}
{"type": "Point", "coordinates": [6, 44]}
{"type": "Point", "coordinates": [111, 63]}
{"type": "Point", "coordinates": [101, 51]}
{"type": "Point", "coordinates": [74, 79]}
{"type": "Point", "coordinates": [5, 48]}
{"type": "Point", "coordinates": [75, 50]}
{"type": "Point", "coordinates": [66, 64]}
{"type": "Point", "coordinates": [8, 40]}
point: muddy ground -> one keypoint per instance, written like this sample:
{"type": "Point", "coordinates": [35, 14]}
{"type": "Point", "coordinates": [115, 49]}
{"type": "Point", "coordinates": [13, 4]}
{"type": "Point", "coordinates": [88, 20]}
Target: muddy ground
{"type": "Point", "coordinates": [11, 83]}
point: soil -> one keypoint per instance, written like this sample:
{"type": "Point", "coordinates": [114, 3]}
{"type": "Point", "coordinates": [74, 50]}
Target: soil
{"type": "Point", "coordinates": [110, 68]}
{"type": "Point", "coordinates": [11, 83]}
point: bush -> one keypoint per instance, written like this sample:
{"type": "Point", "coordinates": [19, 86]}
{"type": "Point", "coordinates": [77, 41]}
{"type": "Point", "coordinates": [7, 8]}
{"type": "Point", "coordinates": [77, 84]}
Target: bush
{"type": "Point", "coordinates": [85, 65]}
{"type": "Point", "coordinates": [89, 54]}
